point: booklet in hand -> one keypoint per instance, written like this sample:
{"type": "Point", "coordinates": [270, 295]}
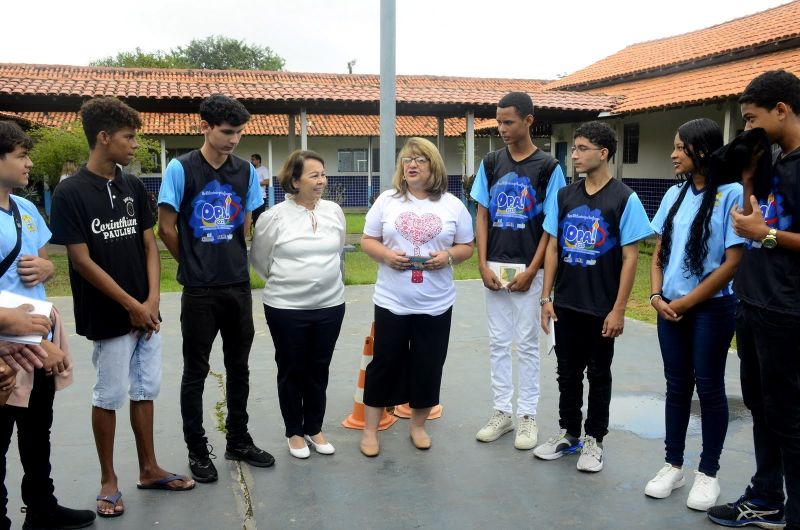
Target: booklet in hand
{"type": "Point", "coordinates": [40, 307]}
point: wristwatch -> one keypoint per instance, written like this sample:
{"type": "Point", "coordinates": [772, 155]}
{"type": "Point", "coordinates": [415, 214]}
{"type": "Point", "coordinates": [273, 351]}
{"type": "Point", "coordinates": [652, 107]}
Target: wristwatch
{"type": "Point", "coordinates": [771, 239]}
{"type": "Point", "coordinates": [449, 258]}
{"type": "Point", "coordinates": [543, 301]}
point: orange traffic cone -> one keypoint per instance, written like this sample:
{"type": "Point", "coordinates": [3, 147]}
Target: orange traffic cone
{"type": "Point", "coordinates": [356, 419]}
{"type": "Point", "coordinates": [404, 411]}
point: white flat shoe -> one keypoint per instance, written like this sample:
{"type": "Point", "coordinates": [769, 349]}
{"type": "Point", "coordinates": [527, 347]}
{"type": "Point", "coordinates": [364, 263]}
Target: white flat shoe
{"type": "Point", "coordinates": [323, 449]}
{"type": "Point", "coordinates": [303, 452]}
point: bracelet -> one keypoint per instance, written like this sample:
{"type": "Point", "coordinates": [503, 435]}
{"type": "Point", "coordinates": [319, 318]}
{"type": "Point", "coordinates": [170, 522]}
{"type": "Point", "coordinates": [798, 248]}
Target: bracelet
{"type": "Point", "coordinates": [655, 295]}
{"type": "Point", "coordinates": [449, 257]}
{"type": "Point", "coordinates": [545, 301]}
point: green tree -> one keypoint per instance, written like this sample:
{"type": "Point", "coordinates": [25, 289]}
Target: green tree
{"type": "Point", "coordinates": [141, 59]}
{"type": "Point", "coordinates": [215, 52]}
{"type": "Point", "coordinates": [54, 146]}
{"type": "Point", "coordinates": [224, 53]}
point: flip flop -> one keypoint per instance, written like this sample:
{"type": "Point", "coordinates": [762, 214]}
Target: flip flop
{"type": "Point", "coordinates": [113, 500]}
{"type": "Point", "coordinates": [163, 484]}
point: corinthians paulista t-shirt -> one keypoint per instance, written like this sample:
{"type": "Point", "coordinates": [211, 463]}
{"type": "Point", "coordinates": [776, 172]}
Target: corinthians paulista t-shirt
{"type": "Point", "coordinates": [109, 216]}
{"type": "Point", "coordinates": [590, 231]}
{"type": "Point", "coordinates": [212, 204]}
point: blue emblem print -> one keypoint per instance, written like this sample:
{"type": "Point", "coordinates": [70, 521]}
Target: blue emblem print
{"type": "Point", "coordinates": [584, 237]}
{"type": "Point", "coordinates": [216, 212]}
{"type": "Point", "coordinates": [513, 202]}
{"type": "Point", "coordinates": [773, 210]}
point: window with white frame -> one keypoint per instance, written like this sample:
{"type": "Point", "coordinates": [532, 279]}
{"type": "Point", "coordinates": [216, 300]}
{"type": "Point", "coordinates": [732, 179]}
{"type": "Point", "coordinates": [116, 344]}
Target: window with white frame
{"type": "Point", "coordinates": [352, 160]}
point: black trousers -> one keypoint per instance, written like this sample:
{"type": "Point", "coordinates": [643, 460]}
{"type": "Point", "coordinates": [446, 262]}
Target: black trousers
{"type": "Point", "coordinates": [304, 341]}
{"type": "Point", "coordinates": [205, 311]}
{"type": "Point", "coordinates": [770, 372]}
{"type": "Point", "coordinates": [581, 347]}
{"type": "Point", "coordinates": [33, 439]}
{"type": "Point", "coordinates": [409, 356]}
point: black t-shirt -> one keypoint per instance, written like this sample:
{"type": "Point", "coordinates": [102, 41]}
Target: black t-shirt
{"type": "Point", "coordinates": [110, 216]}
{"type": "Point", "coordinates": [211, 213]}
{"type": "Point", "coordinates": [516, 206]}
{"type": "Point", "coordinates": [770, 278]}
{"type": "Point", "coordinates": [591, 231]}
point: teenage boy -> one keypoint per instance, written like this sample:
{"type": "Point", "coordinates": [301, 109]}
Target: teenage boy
{"type": "Point", "coordinates": [768, 317]}
{"type": "Point", "coordinates": [24, 269]}
{"type": "Point", "coordinates": [591, 259]}
{"type": "Point", "coordinates": [102, 216]}
{"type": "Point", "coordinates": [205, 204]}
{"type": "Point", "coordinates": [263, 181]}
{"type": "Point", "coordinates": [514, 187]}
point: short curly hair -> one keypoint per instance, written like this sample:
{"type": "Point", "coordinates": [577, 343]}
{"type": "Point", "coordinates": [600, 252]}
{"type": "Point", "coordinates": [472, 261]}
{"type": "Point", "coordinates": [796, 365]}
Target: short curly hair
{"type": "Point", "coordinates": [11, 137]}
{"type": "Point", "coordinates": [217, 109]}
{"type": "Point", "coordinates": [773, 87]}
{"type": "Point", "coordinates": [600, 134]}
{"type": "Point", "coordinates": [107, 114]}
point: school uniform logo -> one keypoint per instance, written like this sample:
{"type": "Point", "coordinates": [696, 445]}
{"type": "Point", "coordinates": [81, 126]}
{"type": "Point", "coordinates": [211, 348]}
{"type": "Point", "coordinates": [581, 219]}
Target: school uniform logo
{"type": "Point", "coordinates": [584, 237]}
{"type": "Point", "coordinates": [28, 222]}
{"type": "Point", "coordinates": [513, 202]}
{"type": "Point", "coordinates": [216, 213]}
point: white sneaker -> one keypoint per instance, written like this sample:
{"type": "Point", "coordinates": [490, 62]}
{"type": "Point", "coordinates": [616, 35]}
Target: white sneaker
{"type": "Point", "coordinates": [704, 492]}
{"type": "Point", "coordinates": [527, 433]}
{"type": "Point", "coordinates": [556, 447]}
{"type": "Point", "coordinates": [667, 479]}
{"type": "Point", "coordinates": [591, 459]}
{"type": "Point", "coordinates": [499, 424]}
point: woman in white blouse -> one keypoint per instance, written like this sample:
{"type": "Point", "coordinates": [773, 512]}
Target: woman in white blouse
{"type": "Point", "coordinates": [416, 231]}
{"type": "Point", "coordinates": [297, 249]}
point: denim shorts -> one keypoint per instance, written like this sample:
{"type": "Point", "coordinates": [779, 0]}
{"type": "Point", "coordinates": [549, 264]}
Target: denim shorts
{"type": "Point", "coordinates": [126, 363]}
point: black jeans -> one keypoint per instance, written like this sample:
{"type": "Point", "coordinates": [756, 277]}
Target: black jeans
{"type": "Point", "coordinates": [204, 312]}
{"type": "Point", "coordinates": [695, 350]}
{"type": "Point", "coordinates": [770, 370]}
{"type": "Point", "coordinates": [33, 440]}
{"type": "Point", "coordinates": [304, 341]}
{"type": "Point", "coordinates": [581, 347]}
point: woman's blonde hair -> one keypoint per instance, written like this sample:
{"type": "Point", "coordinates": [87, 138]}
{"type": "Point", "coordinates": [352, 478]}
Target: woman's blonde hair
{"type": "Point", "coordinates": [437, 181]}
{"type": "Point", "coordinates": [293, 168]}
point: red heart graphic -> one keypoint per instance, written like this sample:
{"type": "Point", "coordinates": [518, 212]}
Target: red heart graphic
{"type": "Point", "coordinates": [418, 229]}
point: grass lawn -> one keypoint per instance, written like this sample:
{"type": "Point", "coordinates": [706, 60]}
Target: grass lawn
{"type": "Point", "coordinates": [361, 270]}
{"type": "Point", "coordinates": [355, 222]}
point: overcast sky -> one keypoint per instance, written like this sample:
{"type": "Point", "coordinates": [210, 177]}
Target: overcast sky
{"type": "Point", "coordinates": [496, 38]}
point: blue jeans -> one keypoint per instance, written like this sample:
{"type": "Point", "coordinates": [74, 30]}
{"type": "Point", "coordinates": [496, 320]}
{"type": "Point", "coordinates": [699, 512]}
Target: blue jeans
{"type": "Point", "coordinates": [695, 350]}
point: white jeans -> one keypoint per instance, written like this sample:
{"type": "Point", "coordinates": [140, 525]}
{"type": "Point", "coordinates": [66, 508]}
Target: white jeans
{"type": "Point", "coordinates": [514, 318]}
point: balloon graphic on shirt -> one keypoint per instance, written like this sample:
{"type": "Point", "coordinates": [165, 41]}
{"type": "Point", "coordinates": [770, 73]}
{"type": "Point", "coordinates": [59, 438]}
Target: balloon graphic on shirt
{"type": "Point", "coordinates": [584, 237]}
{"type": "Point", "coordinates": [418, 230]}
{"type": "Point", "coordinates": [512, 202]}
{"type": "Point", "coordinates": [216, 213]}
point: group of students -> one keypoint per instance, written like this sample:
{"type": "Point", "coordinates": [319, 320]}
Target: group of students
{"type": "Point", "coordinates": [556, 256]}
{"type": "Point", "coordinates": [726, 260]}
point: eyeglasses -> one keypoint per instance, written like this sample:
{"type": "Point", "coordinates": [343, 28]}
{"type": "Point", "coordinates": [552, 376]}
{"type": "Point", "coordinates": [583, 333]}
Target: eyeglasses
{"type": "Point", "coordinates": [418, 159]}
{"type": "Point", "coordinates": [583, 148]}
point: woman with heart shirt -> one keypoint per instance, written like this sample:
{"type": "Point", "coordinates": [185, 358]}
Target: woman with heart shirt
{"type": "Point", "coordinates": [297, 247]}
{"type": "Point", "coordinates": [416, 231]}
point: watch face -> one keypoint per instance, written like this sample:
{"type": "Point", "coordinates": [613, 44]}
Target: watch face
{"type": "Point", "coordinates": [769, 242]}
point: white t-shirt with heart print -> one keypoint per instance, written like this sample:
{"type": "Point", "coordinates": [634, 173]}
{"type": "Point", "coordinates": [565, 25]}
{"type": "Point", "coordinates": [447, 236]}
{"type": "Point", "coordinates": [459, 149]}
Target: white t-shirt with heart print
{"type": "Point", "coordinates": [417, 227]}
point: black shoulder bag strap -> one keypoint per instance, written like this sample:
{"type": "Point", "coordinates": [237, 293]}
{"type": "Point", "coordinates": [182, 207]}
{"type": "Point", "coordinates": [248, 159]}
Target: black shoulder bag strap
{"type": "Point", "coordinates": [6, 264]}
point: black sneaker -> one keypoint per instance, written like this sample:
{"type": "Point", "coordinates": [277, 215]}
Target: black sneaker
{"type": "Point", "coordinates": [201, 466]}
{"type": "Point", "coordinates": [248, 452]}
{"type": "Point", "coordinates": [746, 511]}
{"type": "Point", "coordinates": [57, 517]}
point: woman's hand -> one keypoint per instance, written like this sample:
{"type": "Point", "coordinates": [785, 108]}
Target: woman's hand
{"type": "Point", "coordinates": [664, 310]}
{"type": "Point", "coordinates": [396, 259]}
{"type": "Point", "coordinates": [439, 260]}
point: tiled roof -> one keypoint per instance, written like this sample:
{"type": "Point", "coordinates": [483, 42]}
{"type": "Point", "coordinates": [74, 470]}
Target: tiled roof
{"type": "Point", "coordinates": [701, 85]}
{"type": "Point", "coordinates": [737, 35]}
{"type": "Point", "coordinates": [170, 123]}
{"type": "Point", "coordinates": [14, 117]}
{"type": "Point", "coordinates": [265, 86]}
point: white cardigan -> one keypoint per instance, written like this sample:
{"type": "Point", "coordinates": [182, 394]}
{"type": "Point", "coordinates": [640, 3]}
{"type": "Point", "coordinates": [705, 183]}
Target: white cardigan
{"type": "Point", "coordinates": [301, 266]}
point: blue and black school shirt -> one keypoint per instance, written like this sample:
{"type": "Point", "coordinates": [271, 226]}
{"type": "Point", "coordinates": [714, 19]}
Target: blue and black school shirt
{"type": "Point", "coordinates": [590, 231]}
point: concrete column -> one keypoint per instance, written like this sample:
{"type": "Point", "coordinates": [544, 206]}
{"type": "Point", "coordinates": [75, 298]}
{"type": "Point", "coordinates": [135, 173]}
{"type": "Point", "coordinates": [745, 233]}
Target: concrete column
{"type": "Point", "coordinates": [388, 106]}
{"type": "Point", "coordinates": [440, 137]}
{"type": "Point", "coordinates": [369, 168]}
{"type": "Point", "coordinates": [303, 129]}
{"type": "Point", "coordinates": [163, 156]}
{"type": "Point", "coordinates": [271, 189]}
{"type": "Point", "coordinates": [731, 121]}
{"type": "Point", "coordinates": [291, 133]}
{"type": "Point", "coordinates": [469, 163]}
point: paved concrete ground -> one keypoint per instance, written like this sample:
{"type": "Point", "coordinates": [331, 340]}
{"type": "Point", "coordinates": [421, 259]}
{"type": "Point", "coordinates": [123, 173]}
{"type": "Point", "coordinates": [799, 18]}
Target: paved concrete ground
{"type": "Point", "coordinates": [460, 483]}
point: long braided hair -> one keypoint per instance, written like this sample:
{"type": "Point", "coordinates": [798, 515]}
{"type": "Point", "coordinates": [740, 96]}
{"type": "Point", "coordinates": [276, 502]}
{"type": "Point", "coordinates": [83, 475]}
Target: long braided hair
{"type": "Point", "coordinates": [700, 138]}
